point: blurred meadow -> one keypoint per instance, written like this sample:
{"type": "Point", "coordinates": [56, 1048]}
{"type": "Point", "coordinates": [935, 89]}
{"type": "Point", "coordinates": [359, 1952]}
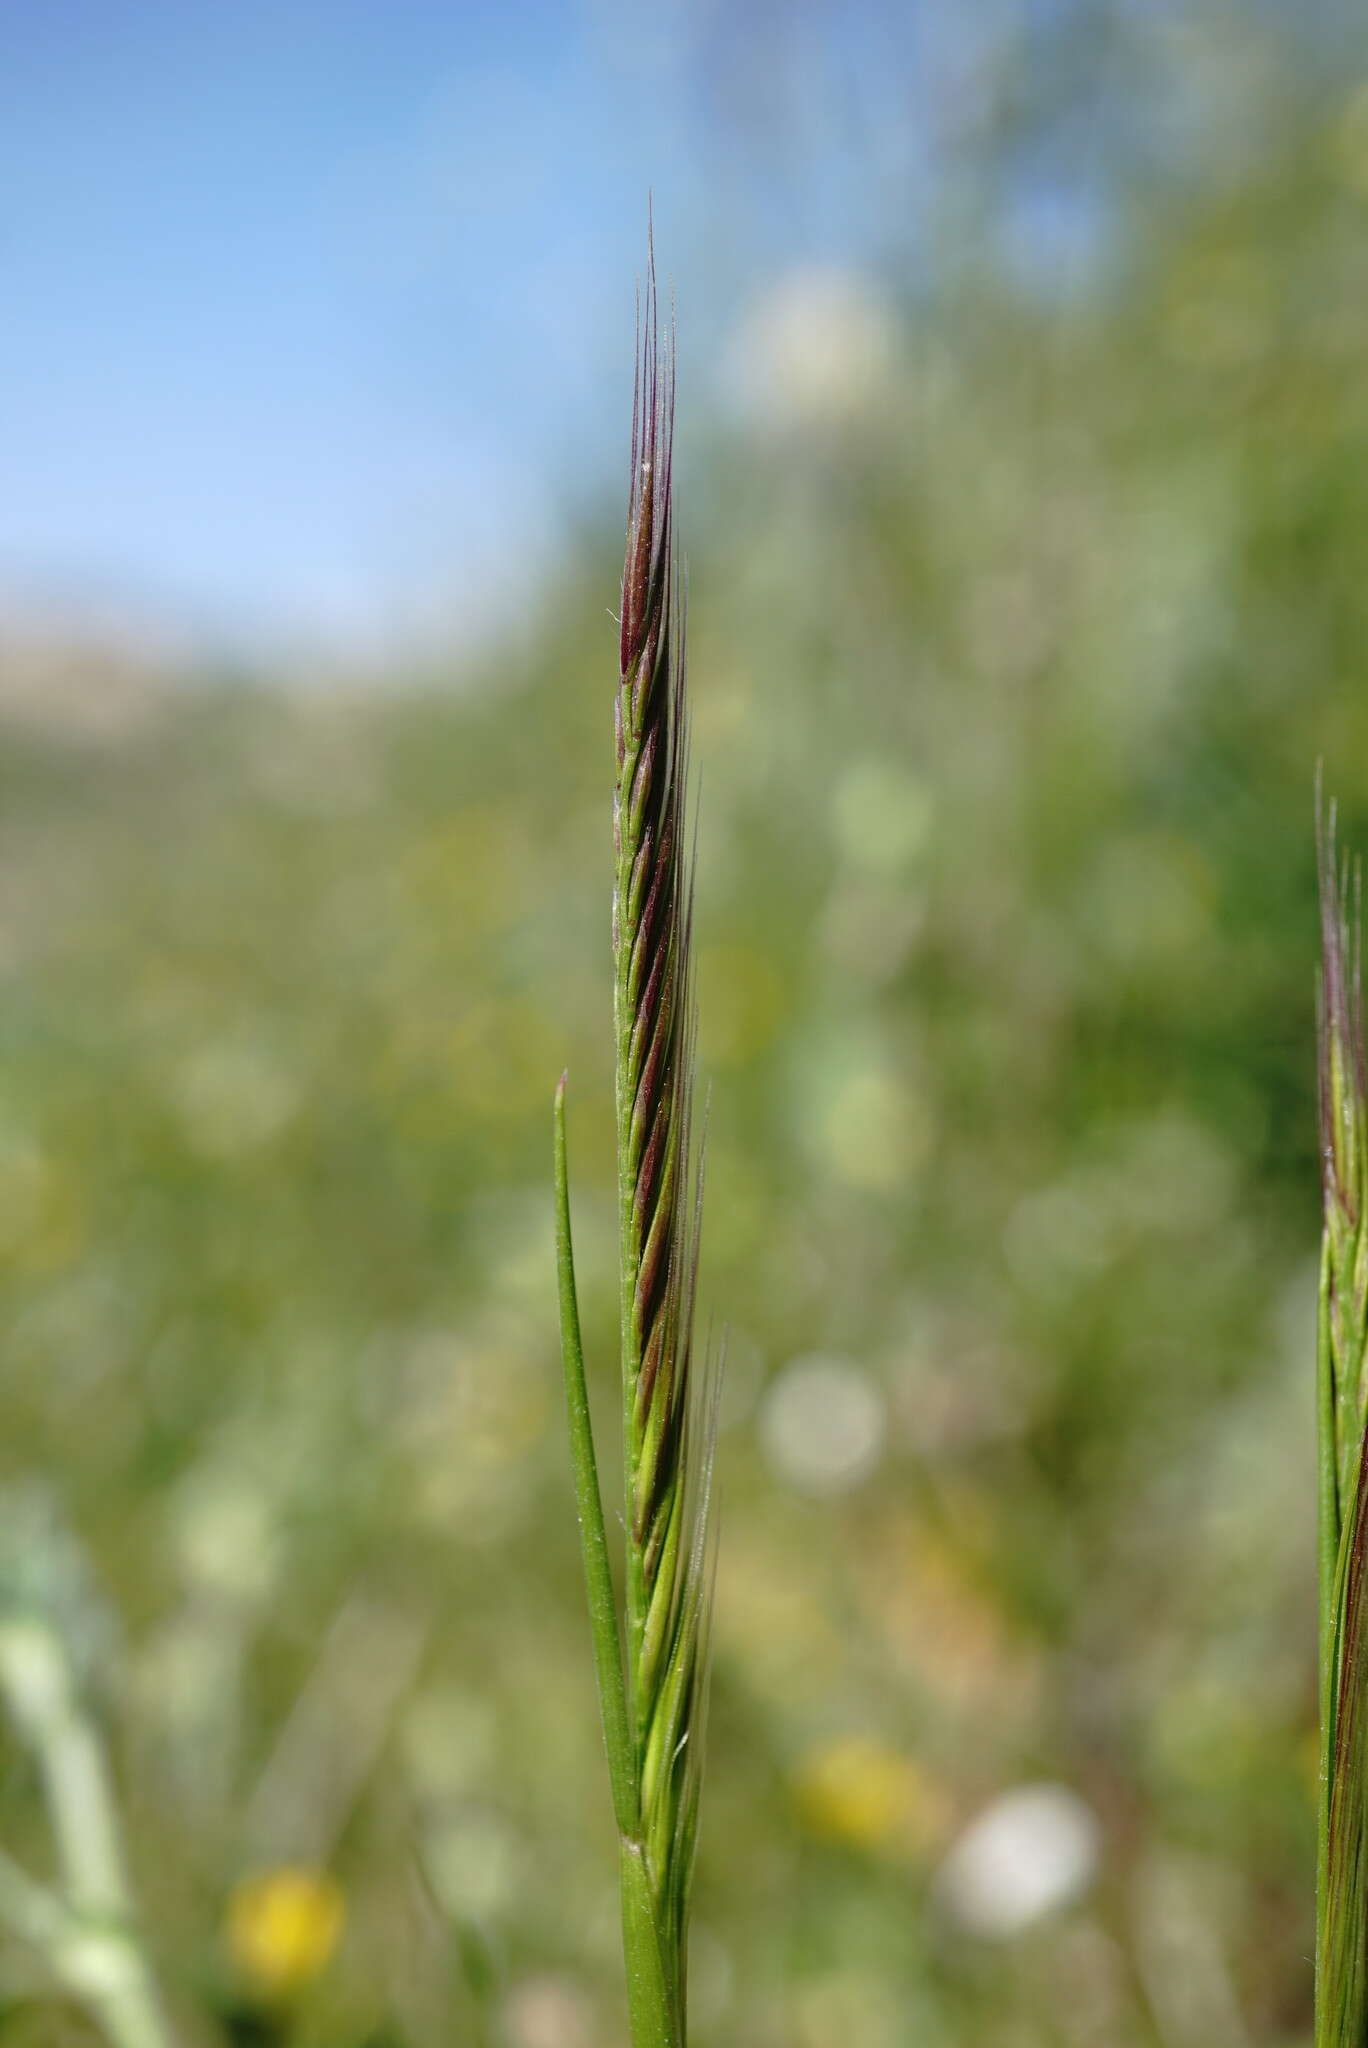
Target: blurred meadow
{"type": "Point", "coordinates": [1026, 559]}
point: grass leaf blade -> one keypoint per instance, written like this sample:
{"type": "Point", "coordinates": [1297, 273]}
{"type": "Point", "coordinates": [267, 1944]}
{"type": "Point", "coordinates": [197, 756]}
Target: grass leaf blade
{"type": "Point", "coordinates": [598, 1576]}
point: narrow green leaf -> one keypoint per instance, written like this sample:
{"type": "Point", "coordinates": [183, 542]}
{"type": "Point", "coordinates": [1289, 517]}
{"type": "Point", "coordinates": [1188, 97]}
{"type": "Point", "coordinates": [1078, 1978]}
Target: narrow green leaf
{"type": "Point", "coordinates": [598, 1577]}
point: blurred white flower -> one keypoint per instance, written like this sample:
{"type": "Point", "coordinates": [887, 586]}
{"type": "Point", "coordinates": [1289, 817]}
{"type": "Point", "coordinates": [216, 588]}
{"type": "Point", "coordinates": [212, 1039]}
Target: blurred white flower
{"type": "Point", "coordinates": [813, 350]}
{"type": "Point", "coordinates": [548, 2012]}
{"type": "Point", "coordinates": [449, 1740]}
{"type": "Point", "coordinates": [1058, 1237]}
{"type": "Point", "coordinates": [233, 1096]}
{"type": "Point", "coordinates": [473, 1860]}
{"type": "Point", "coordinates": [823, 1425]}
{"type": "Point", "coordinates": [1034, 1850]}
{"type": "Point", "coordinates": [225, 1533]}
{"type": "Point", "coordinates": [860, 1111]}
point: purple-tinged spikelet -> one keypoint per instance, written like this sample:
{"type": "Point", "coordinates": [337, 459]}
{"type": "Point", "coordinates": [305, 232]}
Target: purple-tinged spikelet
{"type": "Point", "coordinates": [1343, 1111]}
{"type": "Point", "coordinates": [667, 1408]}
{"type": "Point", "coordinates": [651, 916]}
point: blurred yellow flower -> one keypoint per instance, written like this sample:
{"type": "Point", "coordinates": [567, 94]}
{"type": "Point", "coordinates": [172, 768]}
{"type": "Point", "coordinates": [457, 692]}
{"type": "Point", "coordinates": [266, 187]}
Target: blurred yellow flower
{"type": "Point", "coordinates": [859, 1791]}
{"type": "Point", "coordinates": [283, 1926]}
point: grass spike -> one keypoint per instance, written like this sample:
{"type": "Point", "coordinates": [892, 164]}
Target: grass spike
{"type": "Point", "coordinates": [1342, 1343]}
{"type": "Point", "coordinates": [653, 1689]}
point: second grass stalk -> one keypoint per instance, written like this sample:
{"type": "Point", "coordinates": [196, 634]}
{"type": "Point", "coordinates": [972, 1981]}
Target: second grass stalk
{"type": "Point", "coordinates": [1342, 1403]}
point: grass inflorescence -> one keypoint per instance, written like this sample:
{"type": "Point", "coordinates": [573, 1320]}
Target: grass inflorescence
{"type": "Point", "coordinates": [1342, 1876]}
{"type": "Point", "coordinates": [653, 1678]}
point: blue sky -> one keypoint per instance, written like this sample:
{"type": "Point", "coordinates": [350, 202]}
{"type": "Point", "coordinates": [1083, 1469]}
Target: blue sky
{"type": "Point", "coordinates": [297, 294]}
{"type": "Point", "coordinates": [317, 312]}
{"type": "Point", "coordinates": [315, 308]}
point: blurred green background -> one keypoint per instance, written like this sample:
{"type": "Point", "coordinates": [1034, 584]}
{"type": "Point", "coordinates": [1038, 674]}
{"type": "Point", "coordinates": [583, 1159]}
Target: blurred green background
{"type": "Point", "coordinates": [1024, 601]}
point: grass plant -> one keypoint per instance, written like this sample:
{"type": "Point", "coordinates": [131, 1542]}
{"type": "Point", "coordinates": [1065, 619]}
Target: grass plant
{"type": "Point", "coordinates": [1342, 1873]}
{"type": "Point", "coordinates": [652, 1673]}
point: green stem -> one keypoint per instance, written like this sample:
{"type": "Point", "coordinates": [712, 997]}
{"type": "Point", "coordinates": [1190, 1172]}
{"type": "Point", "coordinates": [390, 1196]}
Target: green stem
{"type": "Point", "coordinates": [99, 1964]}
{"type": "Point", "coordinates": [649, 2002]}
{"type": "Point", "coordinates": [598, 1578]}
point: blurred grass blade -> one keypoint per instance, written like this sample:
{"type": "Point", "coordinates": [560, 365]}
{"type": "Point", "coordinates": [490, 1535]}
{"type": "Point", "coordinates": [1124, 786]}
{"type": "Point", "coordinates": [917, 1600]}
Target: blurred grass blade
{"type": "Point", "coordinates": [87, 1930]}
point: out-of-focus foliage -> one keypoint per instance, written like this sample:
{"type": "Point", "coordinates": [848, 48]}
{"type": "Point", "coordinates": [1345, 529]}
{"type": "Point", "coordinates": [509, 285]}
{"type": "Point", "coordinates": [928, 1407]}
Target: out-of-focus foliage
{"type": "Point", "coordinates": [1018, 628]}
